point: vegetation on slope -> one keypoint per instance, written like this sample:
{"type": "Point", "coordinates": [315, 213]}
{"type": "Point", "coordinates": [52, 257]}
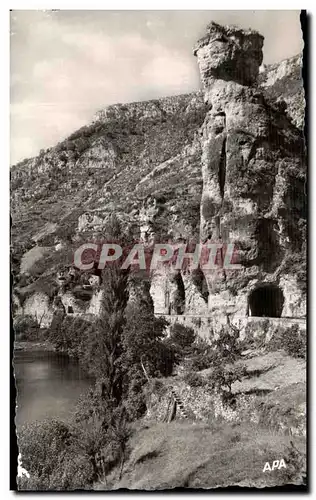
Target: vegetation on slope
{"type": "Point", "coordinates": [107, 444]}
{"type": "Point", "coordinates": [217, 454]}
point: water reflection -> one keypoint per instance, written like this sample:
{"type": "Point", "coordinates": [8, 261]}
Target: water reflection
{"type": "Point", "coordinates": [48, 385]}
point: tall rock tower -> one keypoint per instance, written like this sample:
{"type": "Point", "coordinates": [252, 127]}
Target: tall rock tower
{"type": "Point", "coordinates": [253, 168]}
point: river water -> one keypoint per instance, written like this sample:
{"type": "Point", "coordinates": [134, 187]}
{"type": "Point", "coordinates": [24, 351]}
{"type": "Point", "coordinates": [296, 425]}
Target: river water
{"type": "Point", "coordinates": [48, 385]}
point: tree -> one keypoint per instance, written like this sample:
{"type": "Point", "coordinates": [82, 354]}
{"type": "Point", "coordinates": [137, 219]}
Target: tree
{"type": "Point", "coordinates": [180, 342]}
{"type": "Point", "coordinates": [228, 348]}
{"type": "Point", "coordinates": [104, 341]}
{"type": "Point", "coordinates": [145, 354]}
{"type": "Point", "coordinates": [101, 432]}
{"type": "Point", "coordinates": [26, 328]}
{"type": "Point", "coordinates": [143, 341]}
{"type": "Point", "coordinates": [69, 334]}
{"type": "Point", "coordinates": [105, 335]}
{"type": "Point", "coordinates": [113, 229]}
{"type": "Point", "coordinates": [222, 379]}
{"type": "Point", "coordinates": [44, 447]}
{"type": "Point", "coordinates": [228, 351]}
{"type": "Point", "coordinates": [182, 336]}
{"type": "Point", "coordinates": [67, 457]}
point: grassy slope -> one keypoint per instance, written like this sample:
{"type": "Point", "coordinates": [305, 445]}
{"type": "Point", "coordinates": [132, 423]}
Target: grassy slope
{"type": "Point", "coordinates": [217, 453]}
{"type": "Point", "coordinates": [276, 369]}
{"type": "Point", "coordinates": [211, 455]}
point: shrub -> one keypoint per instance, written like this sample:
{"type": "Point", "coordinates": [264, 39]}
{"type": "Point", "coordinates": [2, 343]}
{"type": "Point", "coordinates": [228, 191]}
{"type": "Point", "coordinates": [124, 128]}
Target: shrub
{"type": "Point", "coordinates": [182, 336]}
{"type": "Point", "coordinates": [144, 342]}
{"type": "Point", "coordinates": [227, 351]}
{"type": "Point", "coordinates": [41, 444]}
{"type": "Point", "coordinates": [223, 377]}
{"type": "Point", "coordinates": [26, 328]}
{"type": "Point", "coordinates": [69, 334]}
{"type": "Point", "coordinates": [193, 379]}
{"type": "Point", "coordinates": [101, 431]}
{"type": "Point", "coordinates": [291, 340]}
{"type": "Point", "coordinates": [202, 356]}
{"type": "Point", "coordinates": [67, 457]}
{"type": "Point", "coordinates": [227, 346]}
{"type": "Point", "coordinates": [296, 345]}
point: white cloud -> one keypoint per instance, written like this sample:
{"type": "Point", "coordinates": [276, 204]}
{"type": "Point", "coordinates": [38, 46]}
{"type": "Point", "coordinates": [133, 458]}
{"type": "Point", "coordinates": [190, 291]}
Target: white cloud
{"type": "Point", "coordinates": [66, 65]}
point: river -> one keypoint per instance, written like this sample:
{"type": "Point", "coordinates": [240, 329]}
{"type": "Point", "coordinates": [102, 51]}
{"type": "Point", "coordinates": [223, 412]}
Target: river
{"type": "Point", "coordinates": [48, 385]}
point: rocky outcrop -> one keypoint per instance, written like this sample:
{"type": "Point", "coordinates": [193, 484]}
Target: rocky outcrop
{"type": "Point", "coordinates": [253, 168]}
{"type": "Point", "coordinates": [230, 54]}
{"type": "Point", "coordinates": [107, 165]}
{"type": "Point", "coordinates": [39, 307]}
{"type": "Point", "coordinates": [90, 221]}
{"type": "Point", "coordinates": [147, 215]}
{"type": "Point", "coordinates": [95, 303]}
{"type": "Point", "coordinates": [282, 83]}
{"type": "Point", "coordinates": [30, 258]}
{"type": "Point", "coordinates": [152, 110]}
{"type": "Point", "coordinates": [224, 164]}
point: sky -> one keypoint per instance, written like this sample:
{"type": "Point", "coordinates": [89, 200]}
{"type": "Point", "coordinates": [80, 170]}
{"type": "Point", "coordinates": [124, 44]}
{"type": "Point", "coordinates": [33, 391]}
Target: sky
{"type": "Point", "coordinates": [67, 64]}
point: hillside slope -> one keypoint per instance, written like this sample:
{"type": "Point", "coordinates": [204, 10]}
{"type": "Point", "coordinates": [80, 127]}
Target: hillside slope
{"type": "Point", "coordinates": [109, 165]}
{"type": "Point", "coordinates": [283, 81]}
{"type": "Point", "coordinates": [128, 152]}
{"type": "Point", "coordinates": [182, 455]}
{"type": "Point", "coordinates": [133, 159]}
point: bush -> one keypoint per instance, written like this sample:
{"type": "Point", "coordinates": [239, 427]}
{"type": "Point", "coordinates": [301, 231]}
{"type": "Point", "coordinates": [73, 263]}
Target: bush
{"type": "Point", "coordinates": [193, 379]}
{"type": "Point", "coordinates": [228, 347]}
{"type": "Point", "coordinates": [227, 350]}
{"type": "Point", "coordinates": [223, 377]}
{"type": "Point", "coordinates": [291, 340]}
{"type": "Point", "coordinates": [69, 334]}
{"type": "Point", "coordinates": [101, 432]}
{"type": "Point", "coordinates": [182, 336]}
{"type": "Point", "coordinates": [180, 342]}
{"type": "Point", "coordinates": [41, 445]}
{"type": "Point", "coordinates": [26, 328]}
{"type": "Point", "coordinates": [296, 346]}
{"type": "Point", "coordinates": [67, 457]}
{"type": "Point", "coordinates": [202, 356]}
{"type": "Point", "coordinates": [144, 343]}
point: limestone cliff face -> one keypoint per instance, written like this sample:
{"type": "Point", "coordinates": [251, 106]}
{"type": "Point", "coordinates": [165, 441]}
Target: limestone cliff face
{"type": "Point", "coordinates": [253, 169]}
{"type": "Point", "coordinates": [282, 83]}
{"type": "Point", "coordinates": [129, 152]}
{"type": "Point", "coordinates": [230, 54]}
{"type": "Point", "coordinates": [223, 164]}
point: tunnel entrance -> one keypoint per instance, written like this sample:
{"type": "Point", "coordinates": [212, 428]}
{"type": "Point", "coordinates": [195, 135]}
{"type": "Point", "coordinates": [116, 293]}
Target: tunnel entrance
{"type": "Point", "coordinates": [267, 301]}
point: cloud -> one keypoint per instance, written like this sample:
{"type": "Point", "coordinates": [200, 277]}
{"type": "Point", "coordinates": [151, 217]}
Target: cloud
{"type": "Point", "coordinates": [66, 65]}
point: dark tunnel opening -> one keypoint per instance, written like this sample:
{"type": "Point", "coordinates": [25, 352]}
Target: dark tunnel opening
{"type": "Point", "coordinates": [267, 301]}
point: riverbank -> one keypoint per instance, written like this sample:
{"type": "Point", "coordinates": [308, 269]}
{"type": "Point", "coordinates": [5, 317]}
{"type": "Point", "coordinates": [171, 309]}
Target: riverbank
{"type": "Point", "coordinates": [33, 345]}
{"type": "Point", "coordinates": [48, 384]}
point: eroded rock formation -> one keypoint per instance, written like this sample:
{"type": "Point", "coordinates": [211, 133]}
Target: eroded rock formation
{"type": "Point", "coordinates": [253, 168]}
{"type": "Point", "coordinates": [225, 164]}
